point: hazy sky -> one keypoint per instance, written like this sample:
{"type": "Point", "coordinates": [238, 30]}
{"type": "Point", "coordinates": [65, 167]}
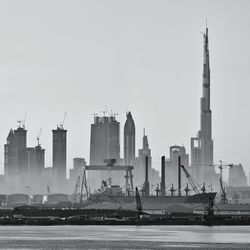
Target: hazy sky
{"type": "Point", "coordinates": [143, 56]}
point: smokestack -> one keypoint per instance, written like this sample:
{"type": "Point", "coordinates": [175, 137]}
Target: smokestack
{"type": "Point", "coordinates": [179, 175]}
{"type": "Point", "coordinates": [146, 184]}
{"type": "Point", "coordinates": [163, 184]}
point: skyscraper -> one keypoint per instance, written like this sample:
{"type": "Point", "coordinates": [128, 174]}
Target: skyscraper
{"type": "Point", "coordinates": [202, 144]}
{"type": "Point", "coordinates": [35, 160]}
{"type": "Point", "coordinates": [139, 166]}
{"type": "Point", "coordinates": [15, 158]}
{"type": "Point", "coordinates": [129, 140]}
{"type": "Point", "coordinates": [104, 144]}
{"type": "Point", "coordinates": [59, 156]}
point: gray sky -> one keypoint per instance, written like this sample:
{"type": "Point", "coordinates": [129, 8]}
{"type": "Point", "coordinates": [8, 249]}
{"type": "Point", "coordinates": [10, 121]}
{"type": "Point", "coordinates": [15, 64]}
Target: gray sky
{"type": "Point", "coordinates": [143, 56]}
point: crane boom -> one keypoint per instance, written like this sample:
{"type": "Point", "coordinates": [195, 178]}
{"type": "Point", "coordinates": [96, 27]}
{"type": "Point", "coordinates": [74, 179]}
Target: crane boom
{"type": "Point", "coordinates": [63, 120]}
{"type": "Point", "coordinates": [190, 180]}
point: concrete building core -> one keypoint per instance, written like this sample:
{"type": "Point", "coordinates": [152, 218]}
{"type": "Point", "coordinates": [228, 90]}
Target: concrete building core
{"type": "Point", "coordinates": [104, 144]}
{"type": "Point", "coordinates": [59, 157]}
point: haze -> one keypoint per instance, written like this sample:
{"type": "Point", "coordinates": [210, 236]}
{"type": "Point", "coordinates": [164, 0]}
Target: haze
{"type": "Point", "coordinates": [142, 56]}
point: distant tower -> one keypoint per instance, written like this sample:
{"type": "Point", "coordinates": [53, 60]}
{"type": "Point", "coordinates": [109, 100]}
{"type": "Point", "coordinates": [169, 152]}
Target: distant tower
{"type": "Point", "coordinates": [59, 154]}
{"type": "Point", "coordinates": [129, 140]}
{"type": "Point", "coordinates": [104, 144]}
{"type": "Point", "coordinates": [15, 158]}
{"type": "Point", "coordinates": [105, 140]}
{"type": "Point", "coordinates": [35, 158]}
{"type": "Point", "coordinates": [202, 145]}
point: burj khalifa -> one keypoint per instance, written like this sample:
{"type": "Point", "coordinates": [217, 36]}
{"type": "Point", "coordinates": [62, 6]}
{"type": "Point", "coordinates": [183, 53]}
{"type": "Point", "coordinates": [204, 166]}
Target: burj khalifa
{"type": "Point", "coordinates": [202, 144]}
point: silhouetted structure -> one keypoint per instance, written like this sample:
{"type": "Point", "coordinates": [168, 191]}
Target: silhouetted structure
{"type": "Point", "coordinates": [15, 159]}
{"type": "Point", "coordinates": [172, 164]}
{"type": "Point", "coordinates": [139, 168]}
{"type": "Point", "coordinates": [78, 164]}
{"type": "Point", "coordinates": [129, 140]}
{"type": "Point", "coordinates": [104, 144]}
{"type": "Point", "coordinates": [202, 144]}
{"type": "Point", "coordinates": [59, 157]}
{"type": "Point", "coordinates": [35, 161]}
{"type": "Point", "coordinates": [163, 176]}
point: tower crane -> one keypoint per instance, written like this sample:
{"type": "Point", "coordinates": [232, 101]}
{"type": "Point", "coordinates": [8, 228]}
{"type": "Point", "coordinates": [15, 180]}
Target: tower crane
{"type": "Point", "coordinates": [21, 123]}
{"type": "Point", "coordinates": [38, 137]}
{"type": "Point", "coordinates": [62, 122]}
{"type": "Point", "coordinates": [222, 188]}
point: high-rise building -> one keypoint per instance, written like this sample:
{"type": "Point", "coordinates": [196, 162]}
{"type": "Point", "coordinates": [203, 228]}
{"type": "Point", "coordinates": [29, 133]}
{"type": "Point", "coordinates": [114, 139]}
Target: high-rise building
{"type": "Point", "coordinates": [59, 157]}
{"type": "Point", "coordinates": [139, 166]}
{"type": "Point", "coordinates": [15, 159]}
{"type": "Point", "coordinates": [104, 144]}
{"type": "Point", "coordinates": [129, 140]}
{"type": "Point", "coordinates": [35, 163]}
{"type": "Point", "coordinates": [202, 144]}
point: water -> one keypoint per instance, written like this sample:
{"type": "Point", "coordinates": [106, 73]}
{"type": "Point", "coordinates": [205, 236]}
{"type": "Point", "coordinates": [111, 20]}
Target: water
{"type": "Point", "coordinates": [124, 237]}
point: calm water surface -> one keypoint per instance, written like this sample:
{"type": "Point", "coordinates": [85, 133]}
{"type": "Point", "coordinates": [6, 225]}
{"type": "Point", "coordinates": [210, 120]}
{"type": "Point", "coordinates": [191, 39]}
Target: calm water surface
{"type": "Point", "coordinates": [124, 237]}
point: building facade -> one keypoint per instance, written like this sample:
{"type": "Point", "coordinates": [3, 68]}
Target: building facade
{"type": "Point", "coordinates": [59, 157]}
{"type": "Point", "coordinates": [171, 173]}
{"type": "Point", "coordinates": [129, 140]}
{"type": "Point", "coordinates": [15, 159]}
{"type": "Point", "coordinates": [140, 170]}
{"type": "Point", "coordinates": [104, 144]}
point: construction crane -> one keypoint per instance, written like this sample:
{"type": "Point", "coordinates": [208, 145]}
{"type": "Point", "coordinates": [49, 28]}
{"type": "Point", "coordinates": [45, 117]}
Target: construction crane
{"type": "Point", "coordinates": [77, 185]}
{"type": "Point", "coordinates": [62, 122]}
{"type": "Point", "coordinates": [190, 180]}
{"type": "Point", "coordinates": [210, 208]}
{"type": "Point", "coordinates": [21, 123]}
{"type": "Point", "coordinates": [138, 202]}
{"type": "Point", "coordinates": [38, 137]}
{"type": "Point", "coordinates": [222, 188]}
{"type": "Point", "coordinates": [221, 166]}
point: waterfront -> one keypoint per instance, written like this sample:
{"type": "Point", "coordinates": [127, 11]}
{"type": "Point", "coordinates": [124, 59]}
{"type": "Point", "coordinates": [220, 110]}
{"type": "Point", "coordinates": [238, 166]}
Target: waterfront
{"type": "Point", "coordinates": [124, 237]}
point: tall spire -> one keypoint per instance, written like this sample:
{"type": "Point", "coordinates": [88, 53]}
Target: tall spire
{"type": "Point", "coordinates": [206, 73]}
{"type": "Point", "coordinates": [206, 123]}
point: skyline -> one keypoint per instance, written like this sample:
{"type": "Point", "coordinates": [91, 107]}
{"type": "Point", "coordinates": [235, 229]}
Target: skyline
{"type": "Point", "coordinates": [130, 67]}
